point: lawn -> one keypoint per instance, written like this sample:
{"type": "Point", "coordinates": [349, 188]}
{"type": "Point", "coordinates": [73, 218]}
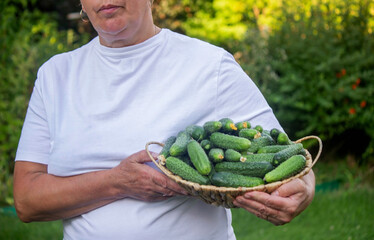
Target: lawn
{"type": "Point", "coordinates": [342, 214]}
{"type": "Point", "coordinates": [343, 210]}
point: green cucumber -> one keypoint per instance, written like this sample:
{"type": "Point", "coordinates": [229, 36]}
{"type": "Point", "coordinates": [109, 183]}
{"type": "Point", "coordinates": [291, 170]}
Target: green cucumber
{"type": "Point", "coordinates": [212, 126]}
{"type": "Point", "coordinates": [274, 132]}
{"type": "Point", "coordinates": [233, 156]}
{"type": "Point", "coordinates": [206, 144]}
{"type": "Point", "coordinates": [253, 169]}
{"type": "Point", "coordinates": [226, 141]}
{"type": "Point", "coordinates": [196, 132]}
{"type": "Point", "coordinates": [283, 139]}
{"type": "Point", "coordinates": [272, 148]}
{"type": "Point", "coordinates": [286, 169]}
{"type": "Point", "coordinates": [260, 142]}
{"type": "Point", "coordinates": [259, 128]}
{"type": "Point", "coordinates": [186, 159]}
{"type": "Point", "coordinates": [259, 157]}
{"type": "Point", "coordinates": [228, 125]}
{"type": "Point", "coordinates": [216, 155]}
{"type": "Point", "coordinates": [165, 149]}
{"type": "Point", "coordinates": [242, 125]}
{"type": "Point", "coordinates": [285, 154]}
{"type": "Point", "coordinates": [182, 169]}
{"type": "Point", "coordinates": [248, 133]}
{"type": "Point", "coordinates": [179, 147]}
{"type": "Point", "coordinates": [198, 157]}
{"type": "Point", "coordinates": [227, 179]}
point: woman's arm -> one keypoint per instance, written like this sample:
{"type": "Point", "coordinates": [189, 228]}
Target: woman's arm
{"type": "Point", "coordinates": [282, 205]}
{"type": "Point", "coordinates": [40, 196]}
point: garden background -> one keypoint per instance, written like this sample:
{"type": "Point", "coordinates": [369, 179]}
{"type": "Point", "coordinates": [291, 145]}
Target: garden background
{"type": "Point", "coordinates": [312, 59]}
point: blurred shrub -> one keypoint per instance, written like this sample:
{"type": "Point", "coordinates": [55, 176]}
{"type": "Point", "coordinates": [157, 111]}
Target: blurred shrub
{"type": "Point", "coordinates": [27, 39]}
{"type": "Point", "coordinates": [317, 69]}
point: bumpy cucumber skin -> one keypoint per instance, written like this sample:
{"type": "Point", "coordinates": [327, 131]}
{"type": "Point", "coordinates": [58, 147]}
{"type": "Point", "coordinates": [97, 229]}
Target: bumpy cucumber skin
{"type": "Point", "coordinates": [198, 157]}
{"type": "Point", "coordinates": [259, 157]}
{"type": "Point", "coordinates": [260, 142]}
{"type": "Point", "coordinates": [227, 141]}
{"type": "Point", "coordinates": [179, 147]}
{"type": "Point", "coordinates": [285, 154]}
{"type": "Point", "coordinates": [248, 133]}
{"type": "Point", "coordinates": [272, 148]}
{"type": "Point", "coordinates": [212, 126]}
{"type": "Point", "coordinates": [165, 150]}
{"type": "Point", "coordinates": [196, 132]}
{"type": "Point", "coordinates": [216, 155]}
{"type": "Point", "coordinates": [182, 169]}
{"type": "Point", "coordinates": [286, 169]}
{"type": "Point", "coordinates": [232, 155]}
{"type": "Point", "coordinates": [253, 169]}
{"type": "Point", "coordinates": [227, 179]}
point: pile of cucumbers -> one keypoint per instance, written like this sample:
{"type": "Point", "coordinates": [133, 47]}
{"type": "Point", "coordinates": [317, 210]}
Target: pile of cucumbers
{"type": "Point", "coordinates": [227, 154]}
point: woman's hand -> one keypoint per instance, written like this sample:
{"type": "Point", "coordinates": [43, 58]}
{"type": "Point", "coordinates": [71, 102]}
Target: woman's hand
{"type": "Point", "coordinates": [134, 179]}
{"type": "Point", "coordinates": [282, 205]}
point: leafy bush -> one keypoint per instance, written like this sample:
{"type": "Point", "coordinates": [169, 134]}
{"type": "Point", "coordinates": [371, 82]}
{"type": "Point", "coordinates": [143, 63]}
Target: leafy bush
{"type": "Point", "coordinates": [317, 70]}
{"type": "Point", "coordinates": [27, 40]}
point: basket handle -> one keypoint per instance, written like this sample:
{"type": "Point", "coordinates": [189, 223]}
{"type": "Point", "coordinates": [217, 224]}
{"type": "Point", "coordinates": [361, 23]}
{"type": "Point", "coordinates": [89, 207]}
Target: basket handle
{"type": "Point", "coordinates": [150, 155]}
{"type": "Point", "coordinates": [319, 149]}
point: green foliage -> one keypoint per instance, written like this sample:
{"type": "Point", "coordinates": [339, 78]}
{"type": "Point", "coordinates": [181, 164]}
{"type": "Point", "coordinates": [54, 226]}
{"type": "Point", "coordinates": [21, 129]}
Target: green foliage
{"type": "Point", "coordinates": [27, 39]}
{"type": "Point", "coordinates": [317, 69]}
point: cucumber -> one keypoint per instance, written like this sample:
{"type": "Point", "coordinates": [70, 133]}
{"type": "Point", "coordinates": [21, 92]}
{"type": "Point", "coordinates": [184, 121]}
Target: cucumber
{"type": "Point", "coordinates": [196, 132]}
{"type": "Point", "coordinates": [226, 141]}
{"type": "Point", "coordinates": [212, 126]}
{"type": "Point", "coordinates": [165, 149]}
{"type": "Point", "coordinates": [272, 148]}
{"type": "Point", "coordinates": [228, 125]}
{"type": "Point", "coordinates": [206, 144]}
{"type": "Point", "coordinates": [179, 147]}
{"type": "Point", "coordinates": [182, 169]}
{"type": "Point", "coordinates": [253, 169]}
{"type": "Point", "coordinates": [286, 169]}
{"type": "Point", "coordinates": [283, 139]}
{"type": "Point", "coordinates": [260, 142]}
{"type": "Point", "coordinates": [232, 155]}
{"type": "Point", "coordinates": [285, 154]}
{"type": "Point", "coordinates": [259, 128]}
{"type": "Point", "coordinates": [248, 133]}
{"type": "Point", "coordinates": [259, 157]}
{"type": "Point", "coordinates": [186, 159]}
{"type": "Point", "coordinates": [242, 125]}
{"type": "Point", "coordinates": [227, 179]}
{"type": "Point", "coordinates": [274, 132]}
{"type": "Point", "coordinates": [216, 155]}
{"type": "Point", "coordinates": [198, 157]}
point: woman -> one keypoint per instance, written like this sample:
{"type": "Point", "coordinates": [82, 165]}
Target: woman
{"type": "Point", "coordinates": [80, 156]}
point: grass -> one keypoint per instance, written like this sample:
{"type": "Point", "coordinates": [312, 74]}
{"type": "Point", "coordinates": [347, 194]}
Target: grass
{"type": "Point", "coordinates": [341, 210]}
{"type": "Point", "coordinates": [13, 229]}
{"type": "Point", "coordinates": [341, 214]}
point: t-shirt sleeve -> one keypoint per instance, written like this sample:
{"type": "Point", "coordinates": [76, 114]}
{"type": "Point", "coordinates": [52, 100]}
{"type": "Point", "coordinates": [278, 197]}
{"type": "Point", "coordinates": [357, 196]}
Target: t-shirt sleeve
{"type": "Point", "coordinates": [239, 98]}
{"type": "Point", "coordinates": [34, 143]}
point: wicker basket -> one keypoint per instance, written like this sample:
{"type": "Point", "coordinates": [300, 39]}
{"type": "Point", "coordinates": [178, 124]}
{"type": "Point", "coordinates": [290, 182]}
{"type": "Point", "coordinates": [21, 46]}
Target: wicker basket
{"type": "Point", "coordinates": [224, 196]}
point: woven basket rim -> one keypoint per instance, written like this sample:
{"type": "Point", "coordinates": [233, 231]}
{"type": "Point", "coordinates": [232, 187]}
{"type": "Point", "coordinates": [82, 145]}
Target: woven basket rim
{"type": "Point", "coordinates": [269, 187]}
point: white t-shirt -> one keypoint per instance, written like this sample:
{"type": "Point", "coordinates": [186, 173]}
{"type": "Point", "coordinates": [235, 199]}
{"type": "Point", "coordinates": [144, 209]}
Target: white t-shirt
{"type": "Point", "coordinates": [95, 106]}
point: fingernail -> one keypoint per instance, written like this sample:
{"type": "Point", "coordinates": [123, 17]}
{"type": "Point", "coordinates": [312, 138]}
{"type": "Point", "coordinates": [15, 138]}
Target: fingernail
{"type": "Point", "coordinates": [154, 155]}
